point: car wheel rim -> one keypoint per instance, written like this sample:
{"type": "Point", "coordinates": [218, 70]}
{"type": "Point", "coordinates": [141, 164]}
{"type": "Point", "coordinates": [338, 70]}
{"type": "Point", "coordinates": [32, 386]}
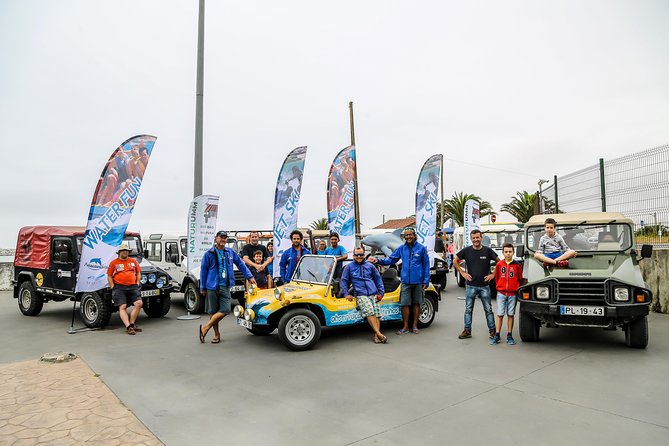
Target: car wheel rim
{"type": "Point", "coordinates": [190, 300]}
{"type": "Point", "coordinates": [426, 311]}
{"type": "Point", "coordinates": [26, 298]}
{"type": "Point", "coordinates": [90, 309]}
{"type": "Point", "coordinates": [300, 330]}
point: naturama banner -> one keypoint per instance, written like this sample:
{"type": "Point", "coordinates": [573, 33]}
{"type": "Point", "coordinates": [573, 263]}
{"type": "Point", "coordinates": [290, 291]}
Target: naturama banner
{"type": "Point", "coordinates": [426, 203]}
{"type": "Point", "coordinates": [341, 191]}
{"type": "Point", "coordinates": [202, 216]}
{"type": "Point", "coordinates": [286, 201]}
{"type": "Point", "coordinates": [472, 219]}
{"type": "Point", "coordinates": [113, 202]}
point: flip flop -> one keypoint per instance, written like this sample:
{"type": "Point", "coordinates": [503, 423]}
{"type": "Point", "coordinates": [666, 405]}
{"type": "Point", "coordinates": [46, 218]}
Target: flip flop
{"type": "Point", "coordinates": [414, 330]}
{"type": "Point", "coordinates": [216, 340]}
{"type": "Point", "coordinates": [402, 332]}
{"type": "Point", "coordinates": [384, 339]}
{"type": "Point", "coordinates": [199, 331]}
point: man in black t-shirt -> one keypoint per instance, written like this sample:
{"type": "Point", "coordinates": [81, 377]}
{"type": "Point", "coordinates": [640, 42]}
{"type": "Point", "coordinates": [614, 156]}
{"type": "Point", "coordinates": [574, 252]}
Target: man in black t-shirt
{"type": "Point", "coordinates": [477, 258]}
{"type": "Point", "coordinates": [249, 250]}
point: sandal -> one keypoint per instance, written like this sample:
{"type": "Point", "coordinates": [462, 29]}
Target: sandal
{"type": "Point", "coordinates": [383, 339]}
{"type": "Point", "coordinates": [216, 340]}
{"type": "Point", "coordinates": [199, 331]}
{"type": "Point", "coordinates": [414, 330]}
{"type": "Point", "coordinates": [130, 330]}
{"type": "Point", "coordinates": [377, 340]}
{"type": "Point", "coordinates": [402, 332]}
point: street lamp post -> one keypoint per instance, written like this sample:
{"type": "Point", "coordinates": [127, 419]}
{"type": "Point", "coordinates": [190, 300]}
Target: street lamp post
{"type": "Point", "coordinates": [541, 196]}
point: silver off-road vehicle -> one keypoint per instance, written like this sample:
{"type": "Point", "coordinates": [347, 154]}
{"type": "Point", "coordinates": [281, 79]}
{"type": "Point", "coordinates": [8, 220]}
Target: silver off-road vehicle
{"type": "Point", "coordinates": [602, 286]}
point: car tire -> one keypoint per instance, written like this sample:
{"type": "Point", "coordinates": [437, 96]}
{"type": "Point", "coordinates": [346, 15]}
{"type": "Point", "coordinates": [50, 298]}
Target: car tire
{"type": "Point", "coordinates": [493, 290]}
{"type": "Point", "coordinates": [529, 327]}
{"type": "Point", "coordinates": [443, 282]}
{"type": "Point", "coordinates": [30, 302]}
{"type": "Point", "coordinates": [193, 300]}
{"type": "Point", "coordinates": [636, 333]}
{"type": "Point", "coordinates": [157, 306]}
{"type": "Point", "coordinates": [299, 329]}
{"type": "Point", "coordinates": [427, 312]}
{"type": "Point", "coordinates": [460, 279]}
{"type": "Point", "coordinates": [241, 300]}
{"type": "Point", "coordinates": [262, 330]}
{"type": "Point", "coordinates": [95, 310]}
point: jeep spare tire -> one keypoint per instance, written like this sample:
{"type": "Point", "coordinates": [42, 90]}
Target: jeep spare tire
{"type": "Point", "coordinates": [30, 303]}
{"type": "Point", "coordinates": [157, 306]}
{"type": "Point", "coordinates": [95, 310]}
{"type": "Point", "coordinates": [299, 329]}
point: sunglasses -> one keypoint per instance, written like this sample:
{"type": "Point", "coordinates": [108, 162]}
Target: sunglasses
{"type": "Point", "coordinates": [358, 255]}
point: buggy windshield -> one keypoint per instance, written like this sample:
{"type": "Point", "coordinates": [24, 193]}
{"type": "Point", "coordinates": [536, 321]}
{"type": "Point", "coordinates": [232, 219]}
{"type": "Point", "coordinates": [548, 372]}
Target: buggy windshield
{"type": "Point", "coordinates": [315, 269]}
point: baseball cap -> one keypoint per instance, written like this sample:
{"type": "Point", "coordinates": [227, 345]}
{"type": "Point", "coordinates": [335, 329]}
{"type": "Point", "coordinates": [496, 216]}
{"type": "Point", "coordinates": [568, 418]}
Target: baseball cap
{"type": "Point", "coordinates": [222, 234]}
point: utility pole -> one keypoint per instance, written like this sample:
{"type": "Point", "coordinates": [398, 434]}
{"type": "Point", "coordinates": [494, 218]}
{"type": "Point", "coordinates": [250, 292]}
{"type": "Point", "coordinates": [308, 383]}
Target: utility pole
{"type": "Point", "coordinates": [541, 196]}
{"type": "Point", "coordinates": [199, 91]}
{"type": "Point", "coordinates": [356, 201]}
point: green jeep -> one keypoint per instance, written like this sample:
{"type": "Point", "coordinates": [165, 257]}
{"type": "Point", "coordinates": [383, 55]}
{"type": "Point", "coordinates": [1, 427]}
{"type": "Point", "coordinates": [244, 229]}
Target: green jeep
{"type": "Point", "coordinates": [602, 286]}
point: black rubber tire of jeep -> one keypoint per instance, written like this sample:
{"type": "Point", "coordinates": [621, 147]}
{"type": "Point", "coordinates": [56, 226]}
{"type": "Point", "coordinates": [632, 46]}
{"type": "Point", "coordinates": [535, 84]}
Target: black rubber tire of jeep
{"type": "Point", "coordinates": [529, 327]}
{"type": "Point", "coordinates": [193, 300]}
{"type": "Point", "coordinates": [294, 324]}
{"type": "Point", "coordinates": [262, 330]}
{"type": "Point", "coordinates": [157, 306]}
{"type": "Point", "coordinates": [636, 333]}
{"type": "Point", "coordinates": [241, 299]}
{"type": "Point", "coordinates": [427, 312]}
{"type": "Point", "coordinates": [443, 282]}
{"type": "Point", "coordinates": [460, 279]}
{"type": "Point", "coordinates": [30, 302]}
{"type": "Point", "coordinates": [95, 310]}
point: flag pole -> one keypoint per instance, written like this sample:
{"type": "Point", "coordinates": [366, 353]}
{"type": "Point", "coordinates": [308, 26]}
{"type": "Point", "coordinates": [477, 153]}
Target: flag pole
{"type": "Point", "coordinates": [356, 201]}
{"type": "Point", "coordinates": [199, 93]}
{"type": "Point", "coordinates": [442, 191]}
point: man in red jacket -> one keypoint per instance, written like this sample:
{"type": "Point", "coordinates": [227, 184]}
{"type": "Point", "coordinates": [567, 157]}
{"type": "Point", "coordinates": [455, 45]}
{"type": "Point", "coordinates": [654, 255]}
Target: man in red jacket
{"type": "Point", "coordinates": [508, 277]}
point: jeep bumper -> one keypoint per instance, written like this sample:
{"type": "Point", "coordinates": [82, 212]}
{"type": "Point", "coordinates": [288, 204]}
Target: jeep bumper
{"type": "Point", "coordinates": [613, 315]}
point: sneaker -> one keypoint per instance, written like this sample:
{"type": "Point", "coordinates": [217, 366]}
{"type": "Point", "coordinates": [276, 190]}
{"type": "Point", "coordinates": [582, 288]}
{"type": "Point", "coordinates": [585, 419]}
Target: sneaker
{"type": "Point", "coordinates": [465, 334]}
{"type": "Point", "coordinates": [495, 340]}
{"type": "Point", "coordinates": [563, 264]}
{"type": "Point", "coordinates": [491, 334]}
{"type": "Point", "coordinates": [510, 340]}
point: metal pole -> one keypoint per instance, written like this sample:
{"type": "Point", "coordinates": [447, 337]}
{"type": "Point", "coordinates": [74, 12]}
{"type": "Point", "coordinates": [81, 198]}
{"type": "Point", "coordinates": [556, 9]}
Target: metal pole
{"type": "Point", "coordinates": [356, 201]}
{"type": "Point", "coordinates": [197, 168]}
{"type": "Point", "coordinates": [443, 222]}
{"type": "Point", "coordinates": [555, 186]}
{"type": "Point", "coordinates": [602, 184]}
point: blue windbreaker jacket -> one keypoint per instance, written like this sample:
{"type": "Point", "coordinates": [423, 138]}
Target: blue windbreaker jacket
{"type": "Point", "coordinates": [209, 269]}
{"type": "Point", "coordinates": [415, 263]}
{"type": "Point", "coordinates": [288, 263]}
{"type": "Point", "coordinates": [365, 278]}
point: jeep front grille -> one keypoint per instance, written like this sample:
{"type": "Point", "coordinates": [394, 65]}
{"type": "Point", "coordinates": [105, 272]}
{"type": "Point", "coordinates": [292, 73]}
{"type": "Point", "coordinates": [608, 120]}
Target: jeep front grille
{"type": "Point", "coordinates": [581, 292]}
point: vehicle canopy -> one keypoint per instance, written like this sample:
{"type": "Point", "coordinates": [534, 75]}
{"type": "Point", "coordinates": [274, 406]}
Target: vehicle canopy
{"type": "Point", "coordinates": [577, 218]}
{"type": "Point", "coordinates": [33, 246]}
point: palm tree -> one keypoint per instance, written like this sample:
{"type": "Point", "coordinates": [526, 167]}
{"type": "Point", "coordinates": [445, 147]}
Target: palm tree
{"type": "Point", "coordinates": [455, 207]}
{"type": "Point", "coordinates": [522, 206]}
{"type": "Point", "coordinates": [321, 223]}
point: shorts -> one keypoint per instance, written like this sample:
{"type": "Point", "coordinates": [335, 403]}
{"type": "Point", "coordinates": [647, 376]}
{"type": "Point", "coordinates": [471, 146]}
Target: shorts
{"type": "Point", "coordinates": [125, 294]}
{"type": "Point", "coordinates": [412, 294]}
{"type": "Point", "coordinates": [218, 301]}
{"type": "Point", "coordinates": [553, 255]}
{"type": "Point", "coordinates": [506, 304]}
{"type": "Point", "coordinates": [368, 306]}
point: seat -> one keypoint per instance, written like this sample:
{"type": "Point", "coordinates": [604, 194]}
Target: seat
{"type": "Point", "coordinates": [390, 280]}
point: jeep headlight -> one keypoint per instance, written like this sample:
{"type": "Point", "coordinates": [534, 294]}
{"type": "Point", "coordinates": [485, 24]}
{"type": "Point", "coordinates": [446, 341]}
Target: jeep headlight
{"type": "Point", "coordinates": [543, 293]}
{"type": "Point", "coordinates": [143, 279]}
{"type": "Point", "coordinates": [279, 293]}
{"type": "Point", "coordinates": [238, 311]}
{"type": "Point", "coordinates": [621, 294]}
{"type": "Point", "coordinates": [152, 278]}
{"type": "Point", "coordinates": [249, 314]}
{"type": "Point", "coordinates": [162, 280]}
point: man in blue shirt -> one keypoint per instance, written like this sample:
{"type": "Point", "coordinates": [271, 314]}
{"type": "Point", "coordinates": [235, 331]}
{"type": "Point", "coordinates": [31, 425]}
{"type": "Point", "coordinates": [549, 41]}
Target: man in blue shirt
{"type": "Point", "coordinates": [367, 289]}
{"type": "Point", "coordinates": [338, 251]}
{"type": "Point", "coordinates": [415, 276]}
{"type": "Point", "coordinates": [291, 256]}
{"type": "Point", "coordinates": [217, 275]}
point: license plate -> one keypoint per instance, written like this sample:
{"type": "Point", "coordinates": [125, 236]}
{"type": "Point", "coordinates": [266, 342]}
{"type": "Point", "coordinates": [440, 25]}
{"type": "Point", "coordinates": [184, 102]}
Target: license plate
{"type": "Point", "coordinates": [244, 323]}
{"type": "Point", "coordinates": [237, 288]}
{"type": "Point", "coordinates": [569, 310]}
{"type": "Point", "coordinates": [146, 293]}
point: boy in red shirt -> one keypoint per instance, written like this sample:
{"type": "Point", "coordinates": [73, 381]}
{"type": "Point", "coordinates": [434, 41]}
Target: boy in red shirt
{"type": "Point", "coordinates": [508, 277]}
{"type": "Point", "coordinates": [124, 275]}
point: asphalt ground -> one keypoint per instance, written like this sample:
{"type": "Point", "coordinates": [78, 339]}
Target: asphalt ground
{"type": "Point", "coordinates": [576, 386]}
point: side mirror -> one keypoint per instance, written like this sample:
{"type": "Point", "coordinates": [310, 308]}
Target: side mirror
{"type": "Point", "coordinates": [646, 251]}
{"type": "Point", "coordinates": [174, 258]}
{"type": "Point", "coordinates": [520, 251]}
{"type": "Point", "coordinates": [146, 253]}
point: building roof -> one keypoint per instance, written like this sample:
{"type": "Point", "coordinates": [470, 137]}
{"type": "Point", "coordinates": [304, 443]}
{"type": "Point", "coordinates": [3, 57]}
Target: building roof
{"type": "Point", "coordinates": [397, 223]}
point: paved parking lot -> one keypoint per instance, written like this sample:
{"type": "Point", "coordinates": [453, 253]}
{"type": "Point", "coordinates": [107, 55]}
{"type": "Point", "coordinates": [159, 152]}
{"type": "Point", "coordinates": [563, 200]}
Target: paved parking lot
{"type": "Point", "coordinates": [576, 386]}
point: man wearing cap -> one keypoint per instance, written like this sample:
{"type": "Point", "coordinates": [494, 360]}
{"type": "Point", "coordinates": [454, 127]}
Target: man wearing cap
{"type": "Point", "coordinates": [124, 275]}
{"type": "Point", "coordinates": [216, 277]}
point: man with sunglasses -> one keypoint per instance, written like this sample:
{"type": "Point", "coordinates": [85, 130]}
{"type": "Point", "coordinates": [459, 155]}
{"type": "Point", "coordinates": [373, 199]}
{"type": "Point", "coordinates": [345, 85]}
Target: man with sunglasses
{"type": "Point", "coordinates": [415, 277]}
{"type": "Point", "coordinates": [367, 289]}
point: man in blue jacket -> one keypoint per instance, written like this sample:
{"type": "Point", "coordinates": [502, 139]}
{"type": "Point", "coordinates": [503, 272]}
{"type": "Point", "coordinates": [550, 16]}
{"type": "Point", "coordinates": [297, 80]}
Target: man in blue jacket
{"type": "Point", "coordinates": [415, 276]}
{"type": "Point", "coordinates": [367, 289]}
{"type": "Point", "coordinates": [291, 256]}
{"type": "Point", "coordinates": [216, 277]}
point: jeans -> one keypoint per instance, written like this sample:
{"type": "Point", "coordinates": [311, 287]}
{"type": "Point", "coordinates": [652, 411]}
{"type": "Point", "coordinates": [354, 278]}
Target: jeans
{"type": "Point", "coordinates": [484, 294]}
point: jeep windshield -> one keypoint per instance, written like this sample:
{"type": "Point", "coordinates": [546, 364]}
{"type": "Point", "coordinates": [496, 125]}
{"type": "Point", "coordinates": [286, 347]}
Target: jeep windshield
{"type": "Point", "coordinates": [314, 269]}
{"type": "Point", "coordinates": [587, 237]}
{"type": "Point", "coordinates": [132, 242]}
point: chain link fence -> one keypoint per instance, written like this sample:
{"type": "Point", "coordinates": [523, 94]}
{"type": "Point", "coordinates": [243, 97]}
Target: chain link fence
{"type": "Point", "coordinates": [636, 185]}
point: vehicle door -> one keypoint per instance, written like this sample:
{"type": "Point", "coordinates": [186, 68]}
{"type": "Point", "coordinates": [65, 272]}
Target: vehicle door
{"type": "Point", "coordinates": [62, 274]}
{"type": "Point", "coordinates": [173, 261]}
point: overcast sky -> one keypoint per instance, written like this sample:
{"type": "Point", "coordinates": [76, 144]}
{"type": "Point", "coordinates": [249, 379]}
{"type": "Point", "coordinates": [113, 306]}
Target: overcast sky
{"type": "Point", "coordinates": [534, 87]}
